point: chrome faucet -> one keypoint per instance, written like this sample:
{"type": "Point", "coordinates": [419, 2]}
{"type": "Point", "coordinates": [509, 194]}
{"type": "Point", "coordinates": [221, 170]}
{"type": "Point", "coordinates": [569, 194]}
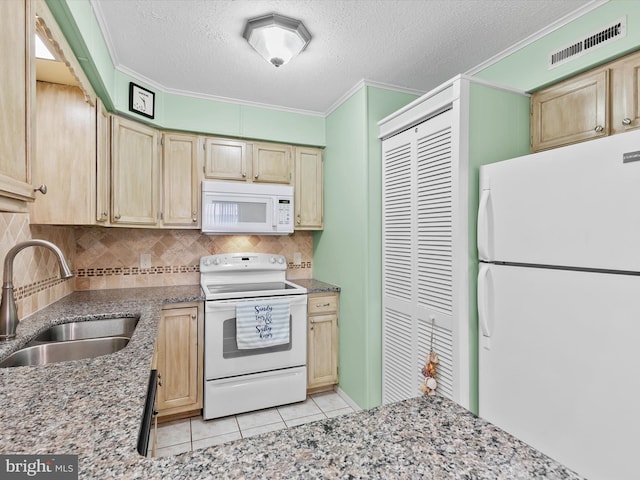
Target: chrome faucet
{"type": "Point", "coordinates": [8, 311]}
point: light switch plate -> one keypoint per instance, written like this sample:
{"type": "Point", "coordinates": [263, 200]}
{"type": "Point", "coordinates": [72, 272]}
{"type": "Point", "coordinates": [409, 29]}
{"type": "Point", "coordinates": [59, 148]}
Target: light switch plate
{"type": "Point", "coordinates": [297, 258]}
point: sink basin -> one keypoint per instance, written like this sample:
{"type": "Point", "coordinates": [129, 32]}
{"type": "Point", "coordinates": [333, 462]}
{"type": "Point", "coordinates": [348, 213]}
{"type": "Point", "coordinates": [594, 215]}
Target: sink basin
{"type": "Point", "coordinates": [64, 351]}
{"type": "Point", "coordinates": [108, 327]}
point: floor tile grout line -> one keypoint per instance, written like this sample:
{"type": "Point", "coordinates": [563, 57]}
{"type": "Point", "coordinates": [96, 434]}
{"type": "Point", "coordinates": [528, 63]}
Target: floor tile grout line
{"type": "Point", "coordinates": [242, 435]}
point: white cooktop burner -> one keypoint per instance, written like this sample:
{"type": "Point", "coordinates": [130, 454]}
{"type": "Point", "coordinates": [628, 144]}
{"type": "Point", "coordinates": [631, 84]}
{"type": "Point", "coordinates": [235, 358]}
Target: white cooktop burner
{"type": "Point", "coordinates": [245, 275]}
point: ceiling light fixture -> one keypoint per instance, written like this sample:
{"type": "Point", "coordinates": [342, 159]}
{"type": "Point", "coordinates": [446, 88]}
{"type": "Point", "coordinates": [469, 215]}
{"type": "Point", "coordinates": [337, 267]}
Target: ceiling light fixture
{"type": "Point", "coordinates": [276, 37]}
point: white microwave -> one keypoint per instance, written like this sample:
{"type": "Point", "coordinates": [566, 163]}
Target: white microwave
{"type": "Point", "coordinates": [246, 208]}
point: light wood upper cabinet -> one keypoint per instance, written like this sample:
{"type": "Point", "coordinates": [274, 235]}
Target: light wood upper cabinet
{"type": "Point", "coordinates": [602, 101]}
{"type": "Point", "coordinates": [103, 164]}
{"type": "Point", "coordinates": [625, 85]}
{"type": "Point", "coordinates": [180, 180]}
{"type": "Point", "coordinates": [17, 78]}
{"type": "Point", "coordinates": [271, 163]}
{"type": "Point", "coordinates": [134, 173]}
{"type": "Point", "coordinates": [226, 159]}
{"type": "Point", "coordinates": [570, 111]}
{"type": "Point", "coordinates": [308, 202]}
{"type": "Point", "coordinates": [322, 341]}
{"type": "Point", "coordinates": [65, 159]}
{"type": "Point", "coordinates": [179, 360]}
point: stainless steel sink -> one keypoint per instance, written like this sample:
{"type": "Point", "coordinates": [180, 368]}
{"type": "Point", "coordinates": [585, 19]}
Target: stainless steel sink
{"type": "Point", "coordinates": [64, 351]}
{"type": "Point", "coordinates": [108, 327]}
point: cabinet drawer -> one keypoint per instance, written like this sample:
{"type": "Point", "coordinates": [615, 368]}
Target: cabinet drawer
{"type": "Point", "coordinates": [323, 304]}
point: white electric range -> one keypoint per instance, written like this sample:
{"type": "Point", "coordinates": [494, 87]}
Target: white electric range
{"type": "Point", "coordinates": [237, 379]}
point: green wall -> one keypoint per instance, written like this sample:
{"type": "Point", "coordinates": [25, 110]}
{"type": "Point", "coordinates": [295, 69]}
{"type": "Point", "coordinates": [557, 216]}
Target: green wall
{"type": "Point", "coordinates": [527, 69]}
{"type": "Point", "coordinates": [348, 252]}
{"type": "Point", "coordinates": [176, 112]}
{"type": "Point", "coordinates": [493, 114]}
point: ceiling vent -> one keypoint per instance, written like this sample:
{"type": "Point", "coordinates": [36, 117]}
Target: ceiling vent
{"type": "Point", "coordinates": [604, 36]}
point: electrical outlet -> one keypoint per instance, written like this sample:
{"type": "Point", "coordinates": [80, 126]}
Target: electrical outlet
{"type": "Point", "coordinates": [145, 260]}
{"type": "Point", "coordinates": [297, 258]}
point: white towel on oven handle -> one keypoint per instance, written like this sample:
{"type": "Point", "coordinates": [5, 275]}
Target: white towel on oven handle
{"type": "Point", "coordinates": [262, 323]}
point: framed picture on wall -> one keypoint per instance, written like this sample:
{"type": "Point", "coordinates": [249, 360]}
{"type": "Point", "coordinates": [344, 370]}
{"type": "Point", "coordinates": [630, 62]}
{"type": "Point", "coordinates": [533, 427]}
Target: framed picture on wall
{"type": "Point", "coordinates": [141, 100]}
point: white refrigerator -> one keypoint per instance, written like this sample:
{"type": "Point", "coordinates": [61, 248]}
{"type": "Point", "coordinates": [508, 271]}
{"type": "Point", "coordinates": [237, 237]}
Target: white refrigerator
{"type": "Point", "coordinates": [559, 303]}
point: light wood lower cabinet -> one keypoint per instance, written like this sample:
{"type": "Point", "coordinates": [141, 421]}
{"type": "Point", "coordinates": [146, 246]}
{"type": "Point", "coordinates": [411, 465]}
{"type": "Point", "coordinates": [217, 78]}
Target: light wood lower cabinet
{"type": "Point", "coordinates": [179, 360]}
{"type": "Point", "coordinates": [322, 341]}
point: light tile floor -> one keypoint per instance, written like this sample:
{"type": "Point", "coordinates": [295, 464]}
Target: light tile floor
{"type": "Point", "coordinates": [194, 433]}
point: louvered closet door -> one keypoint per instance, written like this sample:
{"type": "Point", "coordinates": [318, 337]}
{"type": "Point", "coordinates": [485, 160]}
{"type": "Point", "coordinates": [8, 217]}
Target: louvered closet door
{"type": "Point", "coordinates": [397, 267]}
{"type": "Point", "coordinates": [417, 257]}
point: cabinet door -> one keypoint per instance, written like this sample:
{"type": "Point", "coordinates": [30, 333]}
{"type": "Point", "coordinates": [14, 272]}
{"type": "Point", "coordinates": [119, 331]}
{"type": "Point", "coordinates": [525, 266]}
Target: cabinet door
{"type": "Point", "coordinates": [626, 114]}
{"type": "Point", "coordinates": [571, 111]}
{"type": "Point", "coordinates": [180, 180]}
{"type": "Point", "coordinates": [177, 359]}
{"type": "Point", "coordinates": [103, 167]}
{"type": "Point", "coordinates": [271, 163]}
{"type": "Point", "coordinates": [16, 103]}
{"type": "Point", "coordinates": [134, 163]}
{"type": "Point", "coordinates": [322, 356]}
{"type": "Point", "coordinates": [308, 189]}
{"type": "Point", "coordinates": [225, 159]}
{"type": "Point", "coordinates": [65, 159]}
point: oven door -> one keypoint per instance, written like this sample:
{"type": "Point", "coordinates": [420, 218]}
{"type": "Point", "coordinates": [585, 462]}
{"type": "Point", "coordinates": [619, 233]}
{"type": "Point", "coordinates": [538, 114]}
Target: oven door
{"type": "Point", "coordinates": [223, 359]}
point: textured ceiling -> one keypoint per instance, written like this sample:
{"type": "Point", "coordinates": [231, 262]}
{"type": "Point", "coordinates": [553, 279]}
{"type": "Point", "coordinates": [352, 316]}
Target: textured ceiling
{"type": "Point", "coordinates": [196, 46]}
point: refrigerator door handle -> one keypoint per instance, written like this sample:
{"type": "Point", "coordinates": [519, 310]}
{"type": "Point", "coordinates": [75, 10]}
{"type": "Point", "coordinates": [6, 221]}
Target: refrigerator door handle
{"type": "Point", "coordinates": [483, 306]}
{"type": "Point", "coordinates": [483, 226]}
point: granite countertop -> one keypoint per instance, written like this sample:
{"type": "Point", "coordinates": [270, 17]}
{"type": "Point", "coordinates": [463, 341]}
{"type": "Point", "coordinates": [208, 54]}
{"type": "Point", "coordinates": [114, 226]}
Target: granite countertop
{"type": "Point", "coordinates": [92, 408]}
{"type": "Point", "coordinates": [316, 286]}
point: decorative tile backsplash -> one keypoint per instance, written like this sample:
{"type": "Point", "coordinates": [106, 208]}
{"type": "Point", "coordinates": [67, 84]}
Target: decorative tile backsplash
{"type": "Point", "coordinates": [110, 257]}
{"type": "Point", "coordinates": [103, 258]}
{"type": "Point", "coordinates": [36, 275]}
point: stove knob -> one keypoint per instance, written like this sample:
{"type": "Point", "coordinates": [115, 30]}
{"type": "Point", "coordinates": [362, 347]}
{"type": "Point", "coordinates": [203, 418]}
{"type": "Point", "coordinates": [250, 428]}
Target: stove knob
{"type": "Point", "coordinates": [216, 261]}
{"type": "Point", "coordinates": [280, 260]}
{"type": "Point", "coordinates": [272, 259]}
{"type": "Point", "coordinates": [206, 262]}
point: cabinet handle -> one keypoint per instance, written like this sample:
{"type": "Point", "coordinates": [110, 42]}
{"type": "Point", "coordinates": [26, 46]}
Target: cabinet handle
{"type": "Point", "coordinates": [256, 176]}
{"type": "Point", "coordinates": [323, 304]}
{"type": "Point", "coordinates": [244, 174]}
{"type": "Point", "coordinates": [193, 316]}
{"type": "Point", "coordinates": [104, 214]}
{"type": "Point", "coordinates": [194, 216]}
{"type": "Point", "coordinates": [626, 121]}
{"type": "Point", "coordinates": [42, 189]}
{"type": "Point", "coordinates": [599, 128]}
{"type": "Point", "coordinates": [159, 380]}
{"type": "Point", "coordinates": [117, 216]}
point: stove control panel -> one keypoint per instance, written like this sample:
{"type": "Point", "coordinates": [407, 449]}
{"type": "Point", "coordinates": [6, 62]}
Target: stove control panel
{"type": "Point", "coordinates": [242, 261]}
